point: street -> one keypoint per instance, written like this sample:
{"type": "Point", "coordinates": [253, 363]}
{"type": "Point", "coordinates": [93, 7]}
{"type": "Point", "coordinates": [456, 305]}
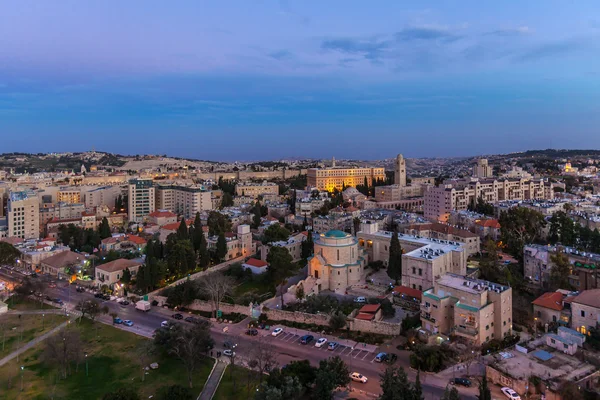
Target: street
{"type": "Point", "coordinates": [287, 345]}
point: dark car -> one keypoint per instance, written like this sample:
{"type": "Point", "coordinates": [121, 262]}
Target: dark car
{"type": "Point", "coordinates": [98, 295]}
{"type": "Point", "coordinates": [49, 298]}
{"type": "Point", "coordinates": [177, 316]}
{"type": "Point", "coordinates": [117, 321]}
{"type": "Point", "coordinates": [190, 319]}
{"type": "Point", "coordinates": [391, 358]}
{"type": "Point", "coordinates": [80, 290]}
{"type": "Point", "coordinates": [252, 332]}
{"type": "Point", "coordinates": [124, 303]}
{"type": "Point", "coordinates": [229, 344]}
{"type": "Point", "coordinates": [58, 301]}
{"type": "Point", "coordinates": [105, 297]}
{"type": "Point", "coordinates": [460, 381]}
{"type": "Point", "coordinates": [306, 339]}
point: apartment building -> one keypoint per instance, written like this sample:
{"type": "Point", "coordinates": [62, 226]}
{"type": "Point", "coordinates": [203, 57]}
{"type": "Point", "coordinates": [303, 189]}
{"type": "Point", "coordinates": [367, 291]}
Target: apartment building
{"type": "Point", "coordinates": [470, 240]}
{"type": "Point", "coordinates": [23, 214]}
{"type": "Point", "coordinates": [238, 245]}
{"type": "Point", "coordinates": [102, 196]}
{"type": "Point", "coordinates": [441, 200]}
{"type": "Point", "coordinates": [68, 196]}
{"type": "Point", "coordinates": [183, 200]}
{"type": "Point", "coordinates": [482, 169]}
{"type": "Point", "coordinates": [293, 245]}
{"type": "Point", "coordinates": [141, 199]}
{"type": "Point", "coordinates": [397, 192]}
{"type": "Point", "coordinates": [331, 178]}
{"type": "Point", "coordinates": [537, 263]}
{"type": "Point", "coordinates": [254, 189]}
{"type": "Point", "coordinates": [59, 211]}
{"type": "Point", "coordinates": [473, 309]}
{"type": "Point", "coordinates": [423, 259]}
{"type": "Point", "coordinates": [585, 311]}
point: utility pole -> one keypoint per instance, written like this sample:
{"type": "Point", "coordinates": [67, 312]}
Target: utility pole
{"type": "Point", "coordinates": [22, 370]}
{"type": "Point", "coordinates": [86, 364]}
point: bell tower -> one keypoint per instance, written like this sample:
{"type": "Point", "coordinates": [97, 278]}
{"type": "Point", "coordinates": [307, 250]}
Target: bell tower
{"type": "Point", "coordinates": [400, 171]}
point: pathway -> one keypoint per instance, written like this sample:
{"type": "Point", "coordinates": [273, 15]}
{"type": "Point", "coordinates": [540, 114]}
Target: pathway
{"type": "Point", "coordinates": [29, 345]}
{"type": "Point", "coordinates": [212, 383]}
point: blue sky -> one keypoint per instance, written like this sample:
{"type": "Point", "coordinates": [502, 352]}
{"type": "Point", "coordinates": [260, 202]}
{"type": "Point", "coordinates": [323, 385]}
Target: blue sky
{"type": "Point", "coordinates": [245, 80]}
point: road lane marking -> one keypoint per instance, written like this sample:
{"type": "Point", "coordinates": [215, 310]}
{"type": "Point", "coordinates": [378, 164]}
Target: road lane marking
{"type": "Point", "coordinates": [366, 354]}
{"type": "Point", "coordinates": [356, 355]}
{"type": "Point", "coordinates": [373, 360]}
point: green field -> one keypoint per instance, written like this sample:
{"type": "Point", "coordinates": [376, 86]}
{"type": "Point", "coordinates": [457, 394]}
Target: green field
{"type": "Point", "coordinates": [114, 361]}
{"type": "Point", "coordinates": [26, 304]}
{"type": "Point", "coordinates": [246, 382]}
{"type": "Point", "coordinates": [16, 331]}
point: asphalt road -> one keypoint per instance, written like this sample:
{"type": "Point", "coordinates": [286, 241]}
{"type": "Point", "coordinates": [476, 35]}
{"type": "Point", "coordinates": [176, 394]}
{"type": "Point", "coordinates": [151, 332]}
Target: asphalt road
{"type": "Point", "coordinates": [287, 345]}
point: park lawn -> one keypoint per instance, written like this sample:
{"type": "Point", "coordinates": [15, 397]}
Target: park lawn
{"type": "Point", "coordinates": [15, 331]}
{"type": "Point", "coordinates": [241, 376]}
{"type": "Point", "coordinates": [114, 361]}
{"type": "Point", "coordinates": [258, 287]}
{"type": "Point", "coordinates": [26, 304]}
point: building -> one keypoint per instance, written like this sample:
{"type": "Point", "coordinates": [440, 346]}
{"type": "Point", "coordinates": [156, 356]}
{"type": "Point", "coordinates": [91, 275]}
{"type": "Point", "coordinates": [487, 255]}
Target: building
{"type": "Point", "coordinates": [59, 211]}
{"type": "Point", "coordinates": [369, 312]}
{"type": "Point", "coordinates": [332, 178]}
{"type": "Point", "coordinates": [256, 266]}
{"type": "Point", "coordinates": [392, 193]}
{"type": "Point", "coordinates": [68, 196]}
{"type": "Point", "coordinates": [141, 199]}
{"type": "Point", "coordinates": [482, 169]}
{"type": "Point", "coordinates": [238, 245]}
{"type": "Point", "coordinates": [423, 259]}
{"type": "Point", "coordinates": [183, 200]}
{"type": "Point", "coordinates": [441, 200]}
{"type": "Point", "coordinates": [162, 217]}
{"type": "Point", "coordinates": [487, 229]}
{"type": "Point", "coordinates": [338, 262]}
{"type": "Point", "coordinates": [56, 264]}
{"type": "Point", "coordinates": [537, 263]}
{"type": "Point", "coordinates": [473, 309]}
{"type": "Point", "coordinates": [253, 189]}
{"type": "Point", "coordinates": [551, 307]}
{"type": "Point", "coordinates": [400, 171]}
{"type": "Point", "coordinates": [293, 245]}
{"type": "Point", "coordinates": [102, 196]}
{"type": "Point", "coordinates": [470, 240]}
{"type": "Point", "coordinates": [110, 273]}
{"type": "Point", "coordinates": [122, 242]}
{"type": "Point", "coordinates": [23, 214]}
{"type": "Point", "coordinates": [585, 311]}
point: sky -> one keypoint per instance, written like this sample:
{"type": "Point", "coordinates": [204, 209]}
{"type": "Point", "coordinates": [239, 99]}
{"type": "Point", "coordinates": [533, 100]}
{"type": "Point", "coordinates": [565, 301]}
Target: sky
{"type": "Point", "coordinates": [258, 79]}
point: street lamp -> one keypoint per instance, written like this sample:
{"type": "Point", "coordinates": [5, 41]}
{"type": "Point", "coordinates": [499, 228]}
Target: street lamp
{"type": "Point", "coordinates": [22, 370]}
{"type": "Point", "coordinates": [43, 321]}
{"type": "Point", "coordinates": [86, 364]}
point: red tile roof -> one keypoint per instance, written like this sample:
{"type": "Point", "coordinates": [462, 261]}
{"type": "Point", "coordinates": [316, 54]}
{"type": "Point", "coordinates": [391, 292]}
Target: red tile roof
{"type": "Point", "coordinates": [162, 214]}
{"type": "Point", "coordinates": [489, 223]}
{"type": "Point", "coordinates": [408, 291]}
{"type": "Point", "coordinates": [256, 263]}
{"type": "Point", "coordinates": [171, 227]}
{"type": "Point", "coordinates": [365, 316]}
{"type": "Point", "coordinates": [551, 300]}
{"type": "Point", "coordinates": [370, 308]}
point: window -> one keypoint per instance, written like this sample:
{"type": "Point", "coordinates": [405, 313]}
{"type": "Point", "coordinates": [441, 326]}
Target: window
{"type": "Point", "coordinates": [554, 318]}
{"type": "Point", "coordinates": [338, 255]}
{"type": "Point", "coordinates": [420, 271]}
{"type": "Point", "coordinates": [582, 313]}
{"type": "Point", "coordinates": [414, 270]}
{"type": "Point", "coordinates": [487, 327]}
{"type": "Point", "coordinates": [420, 288]}
{"type": "Point", "coordinates": [338, 272]}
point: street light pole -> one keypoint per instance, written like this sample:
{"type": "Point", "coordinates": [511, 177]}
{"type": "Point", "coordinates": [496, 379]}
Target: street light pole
{"type": "Point", "coordinates": [22, 369]}
{"type": "Point", "coordinates": [86, 364]}
{"type": "Point", "coordinates": [43, 321]}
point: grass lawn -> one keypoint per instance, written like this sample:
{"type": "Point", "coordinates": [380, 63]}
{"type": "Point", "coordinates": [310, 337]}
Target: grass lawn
{"type": "Point", "coordinates": [26, 304]}
{"type": "Point", "coordinates": [243, 390]}
{"type": "Point", "coordinates": [15, 331]}
{"type": "Point", "coordinates": [114, 361]}
{"type": "Point", "coordinates": [261, 288]}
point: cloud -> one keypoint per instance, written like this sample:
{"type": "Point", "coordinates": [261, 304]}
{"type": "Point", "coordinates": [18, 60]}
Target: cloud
{"type": "Point", "coordinates": [520, 31]}
{"type": "Point", "coordinates": [426, 34]}
{"type": "Point", "coordinates": [555, 49]}
{"type": "Point", "coordinates": [370, 49]}
{"type": "Point", "coordinates": [281, 55]}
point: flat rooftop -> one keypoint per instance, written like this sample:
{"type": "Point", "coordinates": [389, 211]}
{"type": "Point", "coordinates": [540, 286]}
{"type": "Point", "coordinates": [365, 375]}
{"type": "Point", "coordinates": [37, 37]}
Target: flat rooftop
{"type": "Point", "coordinates": [430, 248]}
{"type": "Point", "coordinates": [469, 285]}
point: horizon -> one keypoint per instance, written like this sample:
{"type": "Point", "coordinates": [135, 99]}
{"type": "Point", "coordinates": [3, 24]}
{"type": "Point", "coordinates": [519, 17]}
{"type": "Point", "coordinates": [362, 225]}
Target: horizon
{"type": "Point", "coordinates": [289, 79]}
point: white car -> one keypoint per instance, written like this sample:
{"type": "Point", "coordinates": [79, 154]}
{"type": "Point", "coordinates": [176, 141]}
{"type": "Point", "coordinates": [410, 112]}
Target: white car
{"type": "Point", "coordinates": [511, 394]}
{"type": "Point", "coordinates": [164, 324]}
{"type": "Point", "coordinates": [277, 332]}
{"type": "Point", "coordinates": [228, 353]}
{"type": "Point", "coordinates": [321, 342]}
{"type": "Point", "coordinates": [360, 299]}
{"type": "Point", "coordinates": [356, 377]}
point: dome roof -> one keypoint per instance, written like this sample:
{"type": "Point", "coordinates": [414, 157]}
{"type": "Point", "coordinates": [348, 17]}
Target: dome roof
{"type": "Point", "coordinates": [351, 191]}
{"type": "Point", "coordinates": [336, 234]}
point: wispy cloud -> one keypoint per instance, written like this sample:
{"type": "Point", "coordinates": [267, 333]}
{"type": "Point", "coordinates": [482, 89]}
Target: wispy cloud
{"type": "Point", "coordinates": [281, 55]}
{"type": "Point", "coordinates": [371, 49]}
{"type": "Point", "coordinates": [554, 49]}
{"type": "Point", "coordinates": [425, 33]}
{"type": "Point", "coordinates": [519, 31]}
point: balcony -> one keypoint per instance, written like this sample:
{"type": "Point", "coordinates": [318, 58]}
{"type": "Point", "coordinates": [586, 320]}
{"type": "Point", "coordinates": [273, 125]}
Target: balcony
{"type": "Point", "coordinates": [428, 317]}
{"type": "Point", "coordinates": [470, 333]}
{"type": "Point", "coordinates": [425, 307]}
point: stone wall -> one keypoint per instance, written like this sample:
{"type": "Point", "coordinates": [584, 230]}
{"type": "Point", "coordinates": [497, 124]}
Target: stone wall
{"type": "Point", "coordinates": [200, 305]}
{"type": "Point", "coordinates": [296, 316]}
{"type": "Point", "coordinates": [245, 175]}
{"type": "Point", "coordinates": [379, 327]}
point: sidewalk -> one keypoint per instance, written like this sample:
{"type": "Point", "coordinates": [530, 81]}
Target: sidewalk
{"type": "Point", "coordinates": [29, 345]}
{"type": "Point", "coordinates": [212, 383]}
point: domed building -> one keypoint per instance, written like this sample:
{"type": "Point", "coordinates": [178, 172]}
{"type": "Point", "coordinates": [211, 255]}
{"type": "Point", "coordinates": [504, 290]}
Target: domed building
{"type": "Point", "coordinates": [338, 261]}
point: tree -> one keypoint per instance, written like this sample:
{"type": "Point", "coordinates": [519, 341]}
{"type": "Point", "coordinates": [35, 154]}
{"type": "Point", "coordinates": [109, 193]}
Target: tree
{"type": "Point", "coordinates": [484, 390]}
{"type": "Point", "coordinates": [182, 230]}
{"type": "Point", "coordinates": [199, 242]}
{"type": "Point", "coordinates": [324, 385]}
{"type": "Point", "coordinates": [307, 246]}
{"type": "Point", "coordinates": [289, 388]}
{"type": "Point", "coordinates": [275, 233]}
{"type": "Point", "coordinates": [218, 223]}
{"type": "Point", "coordinates": [337, 369]}
{"type": "Point", "coordinates": [302, 369]}
{"type": "Point", "coordinates": [126, 278]}
{"type": "Point", "coordinates": [337, 320]}
{"type": "Point", "coordinates": [299, 291]}
{"type": "Point", "coordinates": [63, 349]}
{"type": "Point", "coordinates": [520, 226]}
{"type": "Point", "coordinates": [264, 356]}
{"type": "Point", "coordinates": [451, 393]}
{"type": "Point", "coordinates": [181, 258]}
{"type": "Point", "coordinates": [560, 271]}
{"type": "Point", "coordinates": [216, 286]}
{"type": "Point", "coordinates": [92, 308]}
{"type": "Point", "coordinates": [395, 385]}
{"type": "Point", "coordinates": [221, 247]}
{"type": "Point", "coordinates": [122, 394]}
{"type": "Point", "coordinates": [174, 392]}
{"type": "Point", "coordinates": [280, 267]}
{"type": "Point", "coordinates": [394, 269]}
{"type": "Point", "coordinates": [226, 200]}
{"type": "Point", "coordinates": [8, 254]}
{"type": "Point", "coordinates": [257, 219]}
{"type": "Point", "coordinates": [104, 229]}
{"type": "Point", "coordinates": [189, 344]}
{"type": "Point", "coordinates": [418, 390]}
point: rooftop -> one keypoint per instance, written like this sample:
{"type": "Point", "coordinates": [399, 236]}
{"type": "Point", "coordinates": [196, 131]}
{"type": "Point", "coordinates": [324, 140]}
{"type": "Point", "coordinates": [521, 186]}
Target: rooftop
{"type": "Point", "coordinates": [336, 234]}
{"type": "Point", "coordinates": [118, 265]}
{"type": "Point", "coordinates": [469, 285]}
{"type": "Point", "coordinates": [551, 300]}
{"type": "Point", "coordinates": [256, 263]}
{"type": "Point", "coordinates": [588, 298]}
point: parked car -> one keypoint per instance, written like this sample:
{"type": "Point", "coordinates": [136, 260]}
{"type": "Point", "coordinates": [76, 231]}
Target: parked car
{"type": "Point", "coordinates": [124, 303]}
{"type": "Point", "coordinates": [391, 358]}
{"type": "Point", "coordinates": [277, 332]}
{"type": "Point", "coordinates": [321, 342]}
{"type": "Point", "coordinates": [229, 344]}
{"type": "Point", "coordinates": [117, 320]}
{"type": "Point", "coordinates": [105, 297]}
{"type": "Point", "coordinates": [128, 322]}
{"type": "Point", "coordinates": [381, 357]}
{"type": "Point", "coordinates": [460, 381]}
{"type": "Point", "coordinates": [306, 339]}
{"type": "Point", "coordinates": [252, 332]}
{"type": "Point", "coordinates": [164, 324]}
{"type": "Point", "coordinates": [190, 319]}
{"type": "Point", "coordinates": [360, 299]}
{"type": "Point", "coordinates": [80, 290]}
{"type": "Point", "coordinates": [511, 394]}
{"type": "Point", "coordinates": [58, 301]}
{"type": "Point", "coordinates": [356, 377]}
{"type": "Point", "coordinates": [228, 353]}
{"type": "Point", "coordinates": [332, 346]}
{"type": "Point", "coordinates": [177, 316]}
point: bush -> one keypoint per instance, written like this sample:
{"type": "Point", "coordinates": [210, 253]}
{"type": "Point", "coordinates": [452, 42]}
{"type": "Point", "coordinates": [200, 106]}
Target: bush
{"type": "Point", "coordinates": [375, 265]}
{"type": "Point", "coordinates": [430, 358]}
{"type": "Point", "coordinates": [410, 322]}
{"type": "Point", "coordinates": [496, 345]}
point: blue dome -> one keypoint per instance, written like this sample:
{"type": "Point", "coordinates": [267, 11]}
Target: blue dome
{"type": "Point", "coordinates": [336, 234]}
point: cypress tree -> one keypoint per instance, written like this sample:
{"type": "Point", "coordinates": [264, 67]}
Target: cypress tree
{"type": "Point", "coordinates": [182, 231]}
{"type": "Point", "coordinates": [221, 247]}
{"type": "Point", "coordinates": [394, 269]}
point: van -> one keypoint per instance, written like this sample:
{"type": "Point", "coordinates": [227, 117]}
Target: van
{"type": "Point", "coordinates": [381, 357]}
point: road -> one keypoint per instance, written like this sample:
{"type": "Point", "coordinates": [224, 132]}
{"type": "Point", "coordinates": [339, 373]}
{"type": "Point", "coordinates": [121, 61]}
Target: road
{"type": "Point", "coordinates": [287, 346]}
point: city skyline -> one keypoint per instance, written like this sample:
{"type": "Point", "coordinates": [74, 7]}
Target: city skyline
{"type": "Point", "coordinates": [296, 79]}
